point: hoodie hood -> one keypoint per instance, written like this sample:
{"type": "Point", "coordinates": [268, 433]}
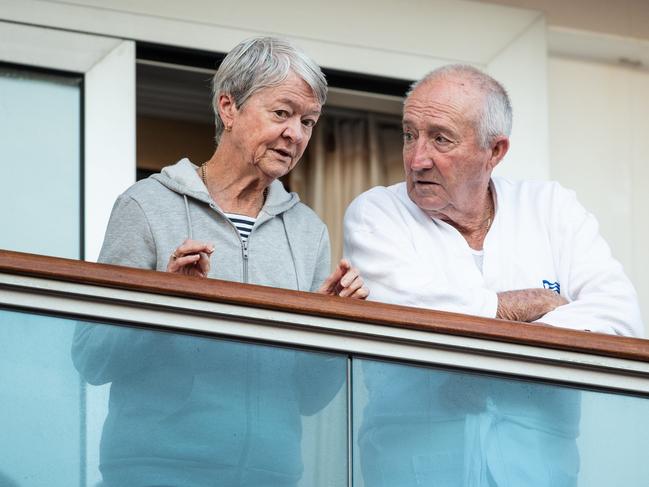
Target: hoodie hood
{"type": "Point", "coordinates": [182, 178]}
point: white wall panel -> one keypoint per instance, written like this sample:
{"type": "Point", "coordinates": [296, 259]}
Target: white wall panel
{"type": "Point", "coordinates": [109, 139]}
{"type": "Point", "coordinates": [639, 141]}
{"type": "Point", "coordinates": [522, 68]}
{"type": "Point", "coordinates": [598, 147]}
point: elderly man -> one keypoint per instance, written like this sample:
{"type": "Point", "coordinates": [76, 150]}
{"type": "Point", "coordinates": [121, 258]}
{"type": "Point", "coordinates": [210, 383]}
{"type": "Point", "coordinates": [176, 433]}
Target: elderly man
{"type": "Point", "coordinates": [452, 237]}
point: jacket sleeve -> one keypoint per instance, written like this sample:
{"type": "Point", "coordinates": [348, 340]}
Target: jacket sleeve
{"type": "Point", "coordinates": [601, 296]}
{"type": "Point", "coordinates": [378, 242]}
{"type": "Point", "coordinates": [103, 353]}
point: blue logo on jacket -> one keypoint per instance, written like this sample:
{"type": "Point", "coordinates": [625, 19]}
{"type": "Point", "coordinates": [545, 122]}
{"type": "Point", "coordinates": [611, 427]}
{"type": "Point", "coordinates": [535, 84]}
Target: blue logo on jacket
{"type": "Point", "coordinates": [552, 286]}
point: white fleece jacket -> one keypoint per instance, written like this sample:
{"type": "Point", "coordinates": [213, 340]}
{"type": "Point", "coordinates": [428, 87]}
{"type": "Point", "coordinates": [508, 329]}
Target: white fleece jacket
{"type": "Point", "coordinates": [541, 236]}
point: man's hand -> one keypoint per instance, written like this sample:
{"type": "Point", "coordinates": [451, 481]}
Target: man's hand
{"type": "Point", "coordinates": [345, 281]}
{"type": "Point", "coordinates": [527, 304]}
{"type": "Point", "coordinates": [192, 258]}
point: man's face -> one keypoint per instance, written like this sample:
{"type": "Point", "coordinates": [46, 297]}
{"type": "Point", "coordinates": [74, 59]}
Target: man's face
{"type": "Point", "coordinates": [446, 167]}
{"type": "Point", "coordinates": [274, 126]}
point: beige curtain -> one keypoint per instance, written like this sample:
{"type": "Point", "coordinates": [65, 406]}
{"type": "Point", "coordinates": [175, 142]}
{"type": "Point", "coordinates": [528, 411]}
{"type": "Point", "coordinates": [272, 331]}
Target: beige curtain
{"type": "Point", "coordinates": [349, 152]}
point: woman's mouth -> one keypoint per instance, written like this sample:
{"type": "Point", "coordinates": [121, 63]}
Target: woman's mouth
{"type": "Point", "coordinates": [283, 153]}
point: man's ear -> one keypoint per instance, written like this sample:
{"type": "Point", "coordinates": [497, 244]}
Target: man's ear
{"type": "Point", "coordinates": [227, 108]}
{"type": "Point", "coordinates": [499, 147]}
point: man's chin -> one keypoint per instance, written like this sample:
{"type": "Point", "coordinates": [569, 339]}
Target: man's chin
{"type": "Point", "coordinates": [428, 203]}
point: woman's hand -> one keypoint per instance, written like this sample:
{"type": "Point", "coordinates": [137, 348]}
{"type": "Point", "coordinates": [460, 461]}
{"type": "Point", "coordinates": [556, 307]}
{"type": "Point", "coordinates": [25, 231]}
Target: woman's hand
{"type": "Point", "coordinates": [345, 281]}
{"type": "Point", "coordinates": [192, 258]}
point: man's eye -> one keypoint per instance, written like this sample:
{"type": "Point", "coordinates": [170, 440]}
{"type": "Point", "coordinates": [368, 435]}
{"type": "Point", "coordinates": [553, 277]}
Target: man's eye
{"type": "Point", "coordinates": [440, 139]}
{"type": "Point", "coordinates": [281, 113]}
{"type": "Point", "coordinates": [308, 122]}
{"type": "Point", "coordinates": [408, 136]}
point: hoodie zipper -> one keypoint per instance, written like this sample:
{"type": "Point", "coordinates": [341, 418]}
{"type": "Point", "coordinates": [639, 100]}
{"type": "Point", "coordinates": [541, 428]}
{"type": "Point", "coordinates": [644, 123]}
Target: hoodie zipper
{"type": "Point", "coordinates": [244, 254]}
{"type": "Point", "coordinates": [244, 244]}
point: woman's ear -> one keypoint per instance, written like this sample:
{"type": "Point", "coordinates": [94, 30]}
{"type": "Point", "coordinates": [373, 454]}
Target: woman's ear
{"type": "Point", "coordinates": [227, 109]}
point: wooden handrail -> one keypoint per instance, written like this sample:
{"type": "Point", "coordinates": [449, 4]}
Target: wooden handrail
{"type": "Point", "coordinates": [327, 306]}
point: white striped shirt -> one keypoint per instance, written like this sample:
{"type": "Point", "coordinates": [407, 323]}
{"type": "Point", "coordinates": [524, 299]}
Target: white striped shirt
{"type": "Point", "coordinates": [243, 224]}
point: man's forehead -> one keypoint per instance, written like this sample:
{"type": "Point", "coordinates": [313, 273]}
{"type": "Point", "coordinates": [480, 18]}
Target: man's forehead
{"type": "Point", "coordinates": [455, 89]}
{"type": "Point", "coordinates": [442, 99]}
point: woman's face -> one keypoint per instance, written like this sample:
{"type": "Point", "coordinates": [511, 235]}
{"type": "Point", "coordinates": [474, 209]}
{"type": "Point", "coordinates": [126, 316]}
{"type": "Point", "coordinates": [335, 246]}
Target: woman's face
{"type": "Point", "coordinates": [272, 129]}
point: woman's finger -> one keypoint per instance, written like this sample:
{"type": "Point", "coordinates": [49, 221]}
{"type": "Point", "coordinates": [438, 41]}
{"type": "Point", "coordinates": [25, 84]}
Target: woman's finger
{"type": "Point", "coordinates": [331, 284]}
{"type": "Point", "coordinates": [361, 293]}
{"type": "Point", "coordinates": [191, 257]}
{"type": "Point", "coordinates": [204, 263]}
{"type": "Point", "coordinates": [180, 263]}
{"type": "Point", "coordinates": [352, 287]}
{"type": "Point", "coordinates": [193, 247]}
{"type": "Point", "coordinates": [350, 276]}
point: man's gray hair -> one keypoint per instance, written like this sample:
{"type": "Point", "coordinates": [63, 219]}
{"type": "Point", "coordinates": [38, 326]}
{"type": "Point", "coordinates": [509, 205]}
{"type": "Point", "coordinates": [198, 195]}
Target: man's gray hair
{"type": "Point", "coordinates": [262, 62]}
{"type": "Point", "coordinates": [496, 116]}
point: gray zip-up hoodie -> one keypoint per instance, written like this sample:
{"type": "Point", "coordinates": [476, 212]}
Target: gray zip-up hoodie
{"type": "Point", "coordinates": [287, 248]}
{"type": "Point", "coordinates": [193, 411]}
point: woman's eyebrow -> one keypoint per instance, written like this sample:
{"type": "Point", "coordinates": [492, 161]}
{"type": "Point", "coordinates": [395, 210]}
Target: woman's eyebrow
{"type": "Point", "coordinates": [291, 102]}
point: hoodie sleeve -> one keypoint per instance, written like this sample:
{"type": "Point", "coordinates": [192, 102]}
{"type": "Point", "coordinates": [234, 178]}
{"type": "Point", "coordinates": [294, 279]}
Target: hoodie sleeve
{"type": "Point", "coordinates": [103, 353]}
{"type": "Point", "coordinates": [319, 378]}
{"type": "Point", "coordinates": [323, 262]}
{"type": "Point", "coordinates": [128, 240]}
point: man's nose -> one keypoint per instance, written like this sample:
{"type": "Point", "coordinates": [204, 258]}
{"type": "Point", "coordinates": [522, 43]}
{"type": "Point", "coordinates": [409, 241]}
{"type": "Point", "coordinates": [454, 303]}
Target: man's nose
{"type": "Point", "coordinates": [421, 156]}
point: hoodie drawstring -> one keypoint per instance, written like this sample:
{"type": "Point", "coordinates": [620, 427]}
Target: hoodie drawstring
{"type": "Point", "coordinates": [189, 219]}
{"type": "Point", "coordinates": [290, 248]}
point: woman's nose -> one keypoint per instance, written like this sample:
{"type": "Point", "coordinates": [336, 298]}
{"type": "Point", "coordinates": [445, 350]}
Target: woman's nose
{"type": "Point", "coordinates": [293, 131]}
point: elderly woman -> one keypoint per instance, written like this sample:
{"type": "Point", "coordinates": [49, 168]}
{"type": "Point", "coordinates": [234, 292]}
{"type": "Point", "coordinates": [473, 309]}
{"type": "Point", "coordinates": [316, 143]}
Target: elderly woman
{"type": "Point", "coordinates": [184, 410]}
{"type": "Point", "coordinates": [231, 218]}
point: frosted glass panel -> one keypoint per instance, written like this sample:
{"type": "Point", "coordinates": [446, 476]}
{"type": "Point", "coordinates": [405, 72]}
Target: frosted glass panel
{"type": "Point", "coordinates": [419, 426]}
{"type": "Point", "coordinates": [40, 403]}
{"type": "Point", "coordinates": [103, 405]}
{"type": "Point", "coordinates": [40, 163]}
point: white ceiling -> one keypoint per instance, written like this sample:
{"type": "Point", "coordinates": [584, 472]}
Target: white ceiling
{"type": "Point", "coordinates": [403, 38]}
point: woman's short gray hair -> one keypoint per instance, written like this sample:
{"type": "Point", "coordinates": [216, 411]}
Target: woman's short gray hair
{"type": "Point", "coordinates": [262, 62]}
{"type": "Point", "coordinates": [496, 117]}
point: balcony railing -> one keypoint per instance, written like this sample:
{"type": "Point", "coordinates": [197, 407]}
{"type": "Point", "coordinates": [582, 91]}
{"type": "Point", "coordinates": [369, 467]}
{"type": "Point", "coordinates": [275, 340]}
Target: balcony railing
{"type": "Point", "coordinates": [119, 376]}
